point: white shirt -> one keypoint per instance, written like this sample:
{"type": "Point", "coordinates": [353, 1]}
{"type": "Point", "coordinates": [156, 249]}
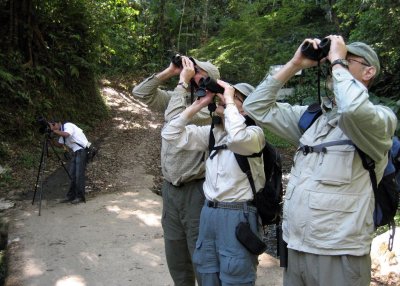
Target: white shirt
{"type": "Point", "coordinates": [76, 139]}
{"type": "Point", "coordinates": [224, 181]}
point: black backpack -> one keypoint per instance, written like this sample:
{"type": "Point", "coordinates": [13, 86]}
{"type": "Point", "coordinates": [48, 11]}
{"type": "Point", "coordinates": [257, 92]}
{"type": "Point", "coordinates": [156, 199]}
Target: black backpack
{"type": "Point", "coordinates": [268, 200]}
{"type": "Point", "coordinates": [386, 192]}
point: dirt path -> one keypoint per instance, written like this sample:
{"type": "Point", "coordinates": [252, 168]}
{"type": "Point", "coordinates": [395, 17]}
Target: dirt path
{"type": "Point", "coordinates": [115, 239]}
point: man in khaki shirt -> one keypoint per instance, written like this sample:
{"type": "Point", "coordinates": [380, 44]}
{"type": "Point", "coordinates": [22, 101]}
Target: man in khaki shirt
{"type": "Point", "coordinates": [329, 201]}
{"type": "Point", "coordinates": [183, 170]}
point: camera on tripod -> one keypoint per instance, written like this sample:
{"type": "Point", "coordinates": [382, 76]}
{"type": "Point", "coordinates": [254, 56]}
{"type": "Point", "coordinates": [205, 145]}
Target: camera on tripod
{"type": "Point", "coordinates": [44, 126]}
{"type": "Point", "coordinates": [316, 54]}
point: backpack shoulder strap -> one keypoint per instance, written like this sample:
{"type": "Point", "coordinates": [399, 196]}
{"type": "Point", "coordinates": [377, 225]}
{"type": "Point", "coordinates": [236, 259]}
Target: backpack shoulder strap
{"type": "Point", "coordinates": [322, 147]}
{"type": "Point", "coordinates": [309, 116]}
{"type": "Point", "coordinates": [244, 165]}
{"type": "Point", "coordinates": [369, 165]}
{"type": "Point", "coordinates": [211, 144]}
{"type": "Point", "coordinates": [62, 129]}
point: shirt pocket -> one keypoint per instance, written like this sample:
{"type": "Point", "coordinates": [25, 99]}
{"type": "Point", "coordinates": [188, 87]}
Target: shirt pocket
{"type": "Point", "coordinates": [329, 214]}
{"type": "Point", "coordinates": [335, 166]}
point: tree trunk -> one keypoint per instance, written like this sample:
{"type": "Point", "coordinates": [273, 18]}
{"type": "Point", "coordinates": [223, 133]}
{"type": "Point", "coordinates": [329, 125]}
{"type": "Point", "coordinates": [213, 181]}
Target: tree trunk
{"type": "Point", "coordinates": [180, 25]}
{"type": "Point", "coordinates": [204, 30]}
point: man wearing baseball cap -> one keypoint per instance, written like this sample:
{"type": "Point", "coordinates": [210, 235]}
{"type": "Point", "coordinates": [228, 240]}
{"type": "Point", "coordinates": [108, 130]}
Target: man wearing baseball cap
{"type": "Point", "coordinates": [362, 54]}
{"type": "Point", "coordinates": [183, 171]}
{"type": "Point", "coordinates": [329, 201]}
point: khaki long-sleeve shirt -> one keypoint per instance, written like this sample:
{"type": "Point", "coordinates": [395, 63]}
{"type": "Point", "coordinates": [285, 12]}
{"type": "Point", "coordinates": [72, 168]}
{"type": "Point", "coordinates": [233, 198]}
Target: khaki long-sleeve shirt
{"type": "Point", "coordinates": [178, 166]}
{"type": "Point", "coordinates": [329, 202]}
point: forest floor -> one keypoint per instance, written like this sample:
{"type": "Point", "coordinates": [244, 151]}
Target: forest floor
{"type": "Point", "coordinates": [115, 238]}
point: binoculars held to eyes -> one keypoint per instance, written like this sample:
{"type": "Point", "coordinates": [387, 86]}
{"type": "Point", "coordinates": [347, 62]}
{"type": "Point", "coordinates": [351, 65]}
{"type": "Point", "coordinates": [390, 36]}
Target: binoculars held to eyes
{"type": "Point", "coordinates": [177, 60]}
{"type": "Point", "coordinates": [316, 54]}
{"type": "Point", "coordinates": [208, 83]}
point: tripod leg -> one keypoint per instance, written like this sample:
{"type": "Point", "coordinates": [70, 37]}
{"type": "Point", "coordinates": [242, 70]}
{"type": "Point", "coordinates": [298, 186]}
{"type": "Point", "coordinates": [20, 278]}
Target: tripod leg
{"type": "Point", "coordinates": [42, 156]}
{"type": "Point", "coordinates": [42, 175]}
{"type": "Point", "coordinates": [61, 162]}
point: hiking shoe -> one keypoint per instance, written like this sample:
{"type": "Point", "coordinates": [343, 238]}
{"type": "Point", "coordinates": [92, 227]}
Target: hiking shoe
{"type": "Point", "coordinates": [77, 201]}
{"type": "Point", "coordinates": [66, 200]}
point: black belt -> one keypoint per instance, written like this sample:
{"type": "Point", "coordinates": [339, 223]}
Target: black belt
{"type": "Point", "coordinates": [232, 206]}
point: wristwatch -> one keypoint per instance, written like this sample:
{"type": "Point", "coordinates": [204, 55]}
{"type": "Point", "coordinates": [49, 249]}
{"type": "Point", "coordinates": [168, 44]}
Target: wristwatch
{"type": "Point", "coordinates": [184, 84]}
{"type": "Point", "coordinates": [344, 63]}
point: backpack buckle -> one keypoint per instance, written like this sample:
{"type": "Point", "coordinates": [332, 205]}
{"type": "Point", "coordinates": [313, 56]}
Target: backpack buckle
{"type": "Point", "coordinates": [307, 149]}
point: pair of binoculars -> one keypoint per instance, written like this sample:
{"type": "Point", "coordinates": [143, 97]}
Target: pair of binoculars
{"type": "Point", "coordinates": [210, 84]}
{"type": "Point", "coordinates": [316, 54]}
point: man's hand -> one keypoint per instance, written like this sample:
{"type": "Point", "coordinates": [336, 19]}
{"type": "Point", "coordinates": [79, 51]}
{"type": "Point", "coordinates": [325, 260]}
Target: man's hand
{"type": "Point", "coordinates": [229, 92]}
{"type": "Point", "coordinates": [338, 48]}
{"type": "Point", "coordinates": [300, 61]}
{"type": "Point", "coordinates": [187, 70]}
{"type": "Point", "coordinates": [297, 62]}
{"type": "Point", "coordinates": [52, 126]}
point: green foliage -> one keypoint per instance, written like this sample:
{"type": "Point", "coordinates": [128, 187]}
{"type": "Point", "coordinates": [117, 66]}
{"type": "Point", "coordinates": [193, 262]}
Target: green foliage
{"type": "Point", "coordinates": [376, 23]}
{"type": "Point", "coordinates": [275, 140]}
{"type": "Point", "coordinates": [29, 160]}
{"type": "Point", "coordinates": [56, 78]}
{"type": "Point", "coordinates": [263, 36]}
{"type": "Point", "coordinates": [4, 151]}
{"type": "Point", "coordinates": [5, 177]}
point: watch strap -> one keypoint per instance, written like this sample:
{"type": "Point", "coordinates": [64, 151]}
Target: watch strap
{"type": "Point", "coordinates": [183, 84]}
{"type": "Point", "coordinates": [344, 63]}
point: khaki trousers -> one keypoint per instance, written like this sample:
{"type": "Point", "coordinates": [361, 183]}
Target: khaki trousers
{"type": "Point", "coordinates": [305, 269]}
{"type": "Point", "coordinates": [180, 220]}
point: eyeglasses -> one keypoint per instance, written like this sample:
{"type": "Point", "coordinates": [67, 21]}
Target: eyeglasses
{"type": "Point", "coordinates": [238, 98]}
{"type": "Point", "coordinates": [362, 63]}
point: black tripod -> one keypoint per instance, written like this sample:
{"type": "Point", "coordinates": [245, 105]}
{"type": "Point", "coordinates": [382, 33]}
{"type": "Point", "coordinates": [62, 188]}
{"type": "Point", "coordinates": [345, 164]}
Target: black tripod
{"type": "Point", "coordinates": [42, 167]}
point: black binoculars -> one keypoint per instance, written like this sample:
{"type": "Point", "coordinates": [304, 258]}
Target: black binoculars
{"type": "Point", "coordinates": [177, 60]}
{"type": "Point", "coordinates": [316, 54]}
{"type": "Point", "coordinates": [210, 84]}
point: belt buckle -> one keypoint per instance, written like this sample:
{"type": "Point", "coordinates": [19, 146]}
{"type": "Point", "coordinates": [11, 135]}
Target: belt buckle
{"type": "Point", "coordinates": [212, 204]}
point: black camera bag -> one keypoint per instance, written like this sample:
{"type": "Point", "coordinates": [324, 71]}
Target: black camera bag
{"type": "Point", "coordinates": [249, 239]}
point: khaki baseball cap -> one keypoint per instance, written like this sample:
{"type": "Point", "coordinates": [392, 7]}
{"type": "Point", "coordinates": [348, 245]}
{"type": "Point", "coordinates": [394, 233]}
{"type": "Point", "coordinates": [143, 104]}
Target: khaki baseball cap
{"type": "Point", "coordinates": [244, 88]}
{"type": "Point", "coordinates": [211, 69]}
{"type": "Point", "coordinates": [365, 51]}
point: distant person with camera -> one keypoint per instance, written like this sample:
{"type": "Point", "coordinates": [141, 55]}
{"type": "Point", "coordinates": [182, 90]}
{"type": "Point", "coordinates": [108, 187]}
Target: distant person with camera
{"type": "Point", "coordinates": [329, 200]}
{"type": "Point", "coordinates": [220, 256]}
{"type": "Point", "coordinates": [183, 171]}
{"type": "Point", "coordinates": [73, 137]}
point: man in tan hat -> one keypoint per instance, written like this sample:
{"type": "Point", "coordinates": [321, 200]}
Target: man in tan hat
{"type": "Point", "coordinates": [183, 170]}
{"type": "Point", "coordinates": [329, 201]}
